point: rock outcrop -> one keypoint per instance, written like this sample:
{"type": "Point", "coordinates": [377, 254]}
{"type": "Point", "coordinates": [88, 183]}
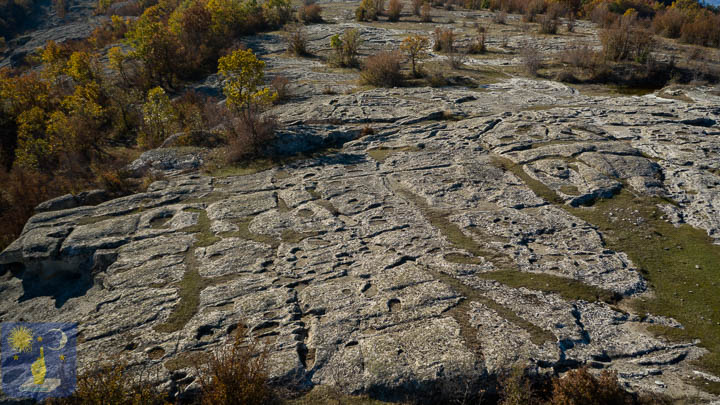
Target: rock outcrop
{"type": "Point", "coordinates": [367, 268]}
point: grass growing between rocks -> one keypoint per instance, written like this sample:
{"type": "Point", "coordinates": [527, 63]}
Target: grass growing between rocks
{"type": "Point", "coordinates": [192, 283]}
{"type": "Point", "coordinates": [567, 288]}
{"type": "Point", "coordinates": [382, 153]}
{"type": "Point", "coordinates": [681, 264]}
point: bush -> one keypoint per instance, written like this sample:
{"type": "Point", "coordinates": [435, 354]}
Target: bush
{"type": "Point", "coordinates": [425, 15]}
{"type": "Point", "coordinates": [444, 40]}
{"type": "Point", "coordinates": [297, 40]}
{"type": "Point", "coordinates": [309, 14]}
{"type": "Point", "coordinates": [531, 60]}
{"type": "Point", "coordinates": [581, 57]}
{"type": "Point", "coordinates": [415, 46]}
{"type": "Point", "coordinates": [382, 70]}
{"type": "Point", "coordinates": [533, 9]}
{"type": "Point", "coordinates": [110, 384]}
{"type": "Point", "coordinates": [281, 85]}
{"type": "Point", "coordinates": [669, 23]}
{"type": "Point", "coordinates": [579, 387]}
{"type": "Point", "coordinates": [625, 41]}
{"type": "Point", "coordinates": [703, 29]}
{"type": "Point", "coordinates": [548, 25]}
{"type": "Point", "coordinates": [369, 10]}
{"type": "Point", "coordinates": [236, 374]}
{"type": "Point", "coordinates": [516, 387]}
{"type": "Point", "coordinates": [417, 4]}
{"type": "Point", "coordinates": [479, 46]}
{"type": "Point", "coordinates": [346, 48]}
{"type": "Point", "coordinates": [394, 9]}
{"type": "Point", "coordinates": [250, 134]}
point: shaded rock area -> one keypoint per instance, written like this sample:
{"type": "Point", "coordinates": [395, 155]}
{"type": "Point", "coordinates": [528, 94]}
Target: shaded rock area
{"type": "Point", "coordinates": [345, 265]}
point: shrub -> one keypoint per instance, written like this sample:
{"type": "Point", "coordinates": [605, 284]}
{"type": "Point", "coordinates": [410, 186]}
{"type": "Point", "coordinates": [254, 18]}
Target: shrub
{"type": "Point", "coordinates": [443, 40]}
{"type": "Point", "coordinates": [669, 23]}
{"type": "Point", "coordinates": [369, 10]}
{"type": "Point", "coordinates": [394, 9]}
{"type": "Point", "coordinates": [417, 4]}
{"type": "Point", "coordinates": [382, 70]}
{"type": "Point", "coordinates": [625, 41]}
{"type": "Point", "coordinates": [250, 134]}
{"type": "Point", "coordinates": [533, 9]}
{"type": "Point", "coordinates": [281, 85]}
{"type": "Point", "coordinates": [425, 15]}
{"type": "Point", "coordinates": [570, 24]}
{"type": "Point", "coordinates": [703, 29]}
{"type": "Point", "coordinates": [479, 46]}
{"type": "Point", "coordinates": [580, 387]}
{"type": "Point", "coordinates": [548, 25]}
{"type": "Point", "coordinates": [297, 40]}
{"type": "Point", "coordinates": [531, 60]}
{"type": "Point", "coordinates": [346, 48]}
{"type": "Point", "coordinates": [516, 387]}
{"type": "Point", "coordinates": [455, 60]}
{"type": "Point", "coordinates": [581, 57]}
{"type": "Point", "coordinates": [110, 384]}
{"type": "Point", "coordinates": [415, 46]}
{"type": "Point", "coordinates": [309, 14]}
{"type": "Point", "coordinates": [236, 374]}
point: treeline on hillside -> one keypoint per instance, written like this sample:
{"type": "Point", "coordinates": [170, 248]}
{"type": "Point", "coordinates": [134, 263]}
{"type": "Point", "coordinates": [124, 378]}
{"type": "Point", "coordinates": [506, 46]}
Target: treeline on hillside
{"type": "Point", "coordinates": [65, 121]}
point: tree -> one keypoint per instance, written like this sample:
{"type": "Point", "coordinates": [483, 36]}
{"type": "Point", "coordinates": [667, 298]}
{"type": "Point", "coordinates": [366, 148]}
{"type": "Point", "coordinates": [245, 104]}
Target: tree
{"type": "Point", "coordinates": [155, 46]}
{"type": "Point", "coordinates": [415, 46]}
{"type": "Point", "coordinates": [244, 74]}
{"type": "Point", "coordinates": [158, 115]}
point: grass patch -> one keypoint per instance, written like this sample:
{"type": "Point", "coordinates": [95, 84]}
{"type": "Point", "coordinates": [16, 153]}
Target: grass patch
{"type": "Point", "coordinates": [382, 153]}
{"type": "Point", "coordinates": [566, 287]}
{"type": "Point", "coordinates": [192, 282]}
{"type": "Point", "coordinates": [462, 316]}
{"type": "Point", "coordinates": [244, 232]}
{"type": "Point", "coordinates": [667, 257]}
{"type": "Point", "coordinates": [204, 237]}
{"type": "Point", "coordinates": [540, 189]}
